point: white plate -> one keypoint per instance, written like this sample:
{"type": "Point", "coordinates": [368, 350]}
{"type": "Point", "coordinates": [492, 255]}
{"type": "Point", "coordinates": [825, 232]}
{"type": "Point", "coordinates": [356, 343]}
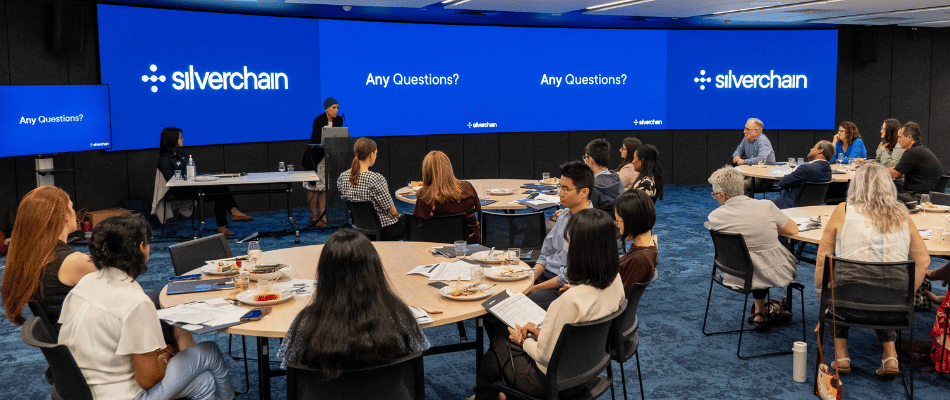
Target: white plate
{"type": "Point", "coordinates": [499, 257]}
{"type": "Point", "coordinates": [248, 298]}
{"type": "Point", "coordinates": [502, 192]}
{"type": "Point", "coordinates": [549, 181]}
{"type": "Point", "coordinates": [938, 209]}
{"type": "Point", "coordinates": [520, 272]}
{"type": "Point", "coordinates": [205, 178]}
{"type": "Point", "coordinates": [272, 275]}
{"type": "Point", "coordinates": [446, 292]}
{"type": "Point", "coordinates": [212, 269]}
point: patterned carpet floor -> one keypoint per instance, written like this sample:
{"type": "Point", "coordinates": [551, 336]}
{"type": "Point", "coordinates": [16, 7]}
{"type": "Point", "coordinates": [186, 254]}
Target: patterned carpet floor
{"type": "Point", "coordinates": [678, 361]}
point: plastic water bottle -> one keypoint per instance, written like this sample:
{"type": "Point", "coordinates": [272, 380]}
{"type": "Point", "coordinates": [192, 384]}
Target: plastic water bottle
{"type": "Point", "coordinates": [190, 169]}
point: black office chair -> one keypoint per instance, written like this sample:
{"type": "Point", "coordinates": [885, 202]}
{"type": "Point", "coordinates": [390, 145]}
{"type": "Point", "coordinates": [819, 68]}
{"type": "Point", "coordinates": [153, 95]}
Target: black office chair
{"type": "Point", "coordinates": [878, 295]}
{"type": "Point", "coordinates": [940, 198]}
{"type": "Point", "coordinates": [942, 184]}
{"type": "Point", "coordinates": [812, 194]}
{"type": "Point", "coordinates": [363, 219]}
{"type": "Point", "coordinates": [524, 231]}
{"type": "Point", "coordinates": [402, 379]}
{"type": "Point", "coordinates": [192, 254]}
{"type": "Point", "coordinates": [624, 334]}
{"type": "Point", "coordinates": [438, 229]}
{"type": "Point", "coordinates": [69, 382]}
{"type": "Point", "coordinates": [37, 309]}
{"type": "Point", "coordinates": [579, 357]}
{"type": "Point", "coordinates": [732, 257]}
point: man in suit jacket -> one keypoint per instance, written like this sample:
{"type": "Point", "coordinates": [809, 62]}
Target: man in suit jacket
{"type": "Point", "coordinates": [817, 169]}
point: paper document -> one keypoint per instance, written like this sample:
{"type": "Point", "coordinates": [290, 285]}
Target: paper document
{"type": "Point", "coordinates": [422, 317]}
{"type": "Point", "coordinates": [451, 271]}
{"type": "Point", "coordinates": [514, 309]}
{"type": "Point", "coordinates": [780, 172]}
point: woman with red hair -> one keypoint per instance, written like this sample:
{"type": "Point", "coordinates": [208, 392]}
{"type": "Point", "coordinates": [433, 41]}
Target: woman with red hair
{"type": "Point", "coordinates": [443, 194]}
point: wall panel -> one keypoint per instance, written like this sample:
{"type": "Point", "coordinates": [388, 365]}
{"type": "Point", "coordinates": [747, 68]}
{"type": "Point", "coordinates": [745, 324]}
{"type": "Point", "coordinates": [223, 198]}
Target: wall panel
{"type": "Point", "coordinates": [516, 156]}
{"type": "Point", "coordinates": [405, 160]}
{"type": "Point", "coordinates": [689, 158]}
{"type": "Point", "coordinates": [551, 149]}
{"type": "Point", "coordinates": [452, 146]}
{"type": "Point", "coordinates": [939, 133]}
{"type": "Point", "coordinates": [31, 61]}
{"type": "Point", "coordinates": [910, 88]}
{"type": "Point", "coordinates": [481, 159]}
{"type": "Point", "coordinates": [873, 84]}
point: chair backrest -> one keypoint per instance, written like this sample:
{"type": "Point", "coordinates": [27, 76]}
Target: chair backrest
{"type": "Point", "coordinates": [401, 379]}
{"type": "Point", "coordinates": [37, 309]}
{"type": "Point", "coordinates": [940, 198]}
{"type": "Point", "coordinates": [883, 289]}
{"type": "Point", "coordinates": [812, 194]}
{"type": "Point", "coordinates": [580, 353]}
{"type": "Point", "coordinates": [732, 257]}
{"type": "Point", "coordinates": [192, 254]}
{"type": "Point", "coordinates": [364, 219]}
{"type": "Point", "coordinates": [69, 383]}
{"type": "Point", "coordinates": [624, 337]}
{"type": "Point", "coordinates": [942, 184]}
{"type": "Point", "coordinates": [439, 229]}
{"type": "Point", "coordinates": [524, 231]}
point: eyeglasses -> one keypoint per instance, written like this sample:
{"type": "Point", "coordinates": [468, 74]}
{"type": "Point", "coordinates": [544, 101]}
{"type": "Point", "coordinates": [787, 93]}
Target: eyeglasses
{"type": "Point", "coordinates": [714, 194]}
{"type": "Point", "coordinates": [585, 157]}
{"type": "Point", "coordinates": [565, 188]}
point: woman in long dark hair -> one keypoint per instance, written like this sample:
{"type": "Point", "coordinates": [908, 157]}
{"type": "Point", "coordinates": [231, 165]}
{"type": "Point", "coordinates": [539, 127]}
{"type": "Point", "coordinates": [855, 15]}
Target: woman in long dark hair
{"type": "Point", "coordinates": [171, 157]}
{"type": "Point", "coordinates": [635, 216]}
{"type": "Point", "coordinates": [111, 327]}
{"type": "Point", "coordinates": [355, 319]}
{"type": "Point", "coordinates": [889, 152]}
{"type": "Point", "coordinates": [595, 291]}
{"type": "Point", "coordinates": [361, 184]}
{"type": "Point", "coordinates": [646, 162]}
{"type": "Point", "coordinates": [628, 174]}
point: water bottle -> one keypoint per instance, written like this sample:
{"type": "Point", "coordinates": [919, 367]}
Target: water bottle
{"type": "Point", "coordinates": [190, 169]}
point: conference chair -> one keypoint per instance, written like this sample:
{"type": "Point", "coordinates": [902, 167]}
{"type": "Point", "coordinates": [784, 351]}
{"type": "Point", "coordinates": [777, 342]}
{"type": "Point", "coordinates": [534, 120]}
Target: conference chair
{"type": "Point", "coordinates": [624, 334]}
{"type": "Point", "coordinates": [877, 295]}
{"type": "Point", "coordinates": [812, 194]}
{"type": "Point", "coordinates": [363, 219]}
{"type": "Point", "coordinates": [37, 309]}
{"type": "Point", "coordinates": [438, 229]}
{"type": "Point", "coordinates": [942, 184]}
{"type": "Point", "coordinates": [579, 357]}
{"type": "Point", "coordinates": [732, 257]}
{"type": "Point", "coordinates": [68, 380]}
{"type": "Point", "coordinates": [402, 379]}
{"type": "Point", "coordinates": [524, 231]}
{"type": "Point", "coordinates": [193, 254]}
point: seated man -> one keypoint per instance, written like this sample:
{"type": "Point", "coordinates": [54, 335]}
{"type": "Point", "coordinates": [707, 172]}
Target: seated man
{"type": "Point", "coordinates": [551, 269]}
{"type": "Point", "coordinates": [756, 147]}
{"type": "Point", "coordinates": [919, 167]}
{"type": "Point", "coordinates": [817, 169]}
{"type": "Point", "coordinates": [607, 183]}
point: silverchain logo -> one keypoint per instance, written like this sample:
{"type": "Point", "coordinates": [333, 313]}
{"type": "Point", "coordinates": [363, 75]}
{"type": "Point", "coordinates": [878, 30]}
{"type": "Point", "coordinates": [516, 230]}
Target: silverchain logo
{"type": "Point", "coordinates": [702, 79]}
{"type": "Point", "coordinates": [153, 78]}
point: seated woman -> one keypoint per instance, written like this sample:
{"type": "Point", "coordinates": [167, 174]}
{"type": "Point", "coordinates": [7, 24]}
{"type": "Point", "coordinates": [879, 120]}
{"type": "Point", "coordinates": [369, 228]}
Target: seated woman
{"type": "Point", "coordinates": [40, 265]}
{"type": "Point", "coordinates": [871, 226]}
{"type": "Point", "coordinates": [111, 327]}
{"type": "Point", "coordinates": [848, 143]}
{"type": "Point", "coordinates": [635, 215]}
{"type": "Point", "coordinates": [442, 194]}
{"type": "Point", "coordinates": [355, 320]}
{"type": "Point", "coordinates": [889, 151]}
{"type": "Point", "coordinates": [628, 174]}
{"type": "Point", "coordinates": [361, 184]}
{"type": "Point", "coordinates": [595, 292]}
{"type": "Point", "coordinates": [171, 157]}
{"type": "Point", "coordinates": [760, 222]}
{"type": "Point", "coordinates": [650, 179]}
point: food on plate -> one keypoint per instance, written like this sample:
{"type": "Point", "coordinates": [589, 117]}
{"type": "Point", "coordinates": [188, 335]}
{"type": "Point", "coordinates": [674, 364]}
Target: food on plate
{"type": "Point", "coordinates": [266, 269]}
{"type": "Point", "coordinates": [929, 205]}
{"type": "Point", "coordinates": [467, 290]}
{"type": "Point", "coordinates": [415, 183]}
{"type": "Point", "coordinates": [267, 297]}
{"type": "Point", "coordinates": [549, 181]}
{"type": "Point", "coordinates": [228, 266]}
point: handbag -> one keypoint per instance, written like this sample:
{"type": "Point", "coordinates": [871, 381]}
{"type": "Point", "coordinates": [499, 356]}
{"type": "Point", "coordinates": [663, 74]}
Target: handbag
{"type": "Point", "coordinates": [828, 386]}
{"type": "Point", "coordinates": [921, 298]}
{"type": "Point", "coordinates": [778, 311]}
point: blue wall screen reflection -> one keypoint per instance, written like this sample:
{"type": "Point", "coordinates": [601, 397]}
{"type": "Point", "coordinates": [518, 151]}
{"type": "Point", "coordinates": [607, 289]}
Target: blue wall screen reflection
{"type": "Point", "coordinates": [53, 119]}
{"type": "Point", "coordinates": [236, 78]}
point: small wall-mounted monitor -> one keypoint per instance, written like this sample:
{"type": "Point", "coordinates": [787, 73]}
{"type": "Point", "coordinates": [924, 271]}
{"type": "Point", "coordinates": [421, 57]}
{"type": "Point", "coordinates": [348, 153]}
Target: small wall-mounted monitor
{"type": "Point", "coordinates": [51, 119]}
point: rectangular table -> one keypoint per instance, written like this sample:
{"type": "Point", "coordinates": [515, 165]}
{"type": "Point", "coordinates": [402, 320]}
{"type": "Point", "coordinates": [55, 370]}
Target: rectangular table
{"type": "Point", "coordinates": [207, 187]}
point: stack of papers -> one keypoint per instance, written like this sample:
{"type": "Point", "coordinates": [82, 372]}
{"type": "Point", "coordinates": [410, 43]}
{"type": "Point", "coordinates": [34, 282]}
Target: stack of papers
{"type": "Point", "coordinates": [806, 223]}
{"type": "Point", "coordinates": [203, 316]}
{"type": "Point", "coordinates": [446, 271]}
{"type": "Point", "coordinates": [515, 309]}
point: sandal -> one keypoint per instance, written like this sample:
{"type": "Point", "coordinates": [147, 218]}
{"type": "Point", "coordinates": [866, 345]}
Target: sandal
{"type": "Point", "coordinates": [886, 373]}
{"type": "Point", "coordinates": [760, 326]}
{"type": "Point", "coordinates": [843, 369]}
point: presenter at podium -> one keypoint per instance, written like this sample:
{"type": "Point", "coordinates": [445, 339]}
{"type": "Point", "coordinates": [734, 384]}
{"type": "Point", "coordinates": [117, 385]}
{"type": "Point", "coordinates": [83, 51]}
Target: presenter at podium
{"type": "Point", "coordinates": [313, 160]}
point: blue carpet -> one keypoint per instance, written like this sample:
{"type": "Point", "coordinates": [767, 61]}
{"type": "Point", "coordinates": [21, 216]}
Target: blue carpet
{"type": "Point", "coordinates": [678, 361]}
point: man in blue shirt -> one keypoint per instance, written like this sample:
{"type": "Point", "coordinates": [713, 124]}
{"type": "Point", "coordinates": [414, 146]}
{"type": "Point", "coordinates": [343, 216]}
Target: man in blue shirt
{"type": "Point", "coordinates": [756, 147]}
{"type": "Point", "coordinates": [577, 180]}
{"type": "Point", "coordinates": [816, 170]}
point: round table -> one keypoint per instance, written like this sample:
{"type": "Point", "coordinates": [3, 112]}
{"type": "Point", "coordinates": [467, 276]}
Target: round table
{"type": "Point", "coordinates": [923, 220]}
{"type": "Point", "coordinates": [398, 258]}
{"type": "Point", "coordinates": [767, 172]}
{"type": "Point", "coordinates": [501, 201]}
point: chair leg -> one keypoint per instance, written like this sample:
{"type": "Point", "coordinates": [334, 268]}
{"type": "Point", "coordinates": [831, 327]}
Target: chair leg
{"type": "Point", "coordinates": [801, 297]}
{"type": "Point", "coordinates": [639, 377]}
{"type": "Point", "coordinates": [623, 381]}
{"type": "Point", "coordinates": [610, 375]}
{"type": "Point", "coordinates": [463, 337]}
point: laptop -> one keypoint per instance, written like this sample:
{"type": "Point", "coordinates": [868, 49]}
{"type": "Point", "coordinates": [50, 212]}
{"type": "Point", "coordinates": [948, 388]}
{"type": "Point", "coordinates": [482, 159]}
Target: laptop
{"type": "Point", "coordinates": [334, 132]}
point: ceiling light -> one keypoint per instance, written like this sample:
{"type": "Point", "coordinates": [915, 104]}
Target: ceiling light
{"type": "Point", "coordinates": [613, 5]}
{"type": "Point", "coordinates": [937, 8]}
{"type": "Point", "coordinates": [932, 22]}
{"type": "Point", "coordinates": [769, 8]}
{"type": "Point", "coordinates": [454, 2]}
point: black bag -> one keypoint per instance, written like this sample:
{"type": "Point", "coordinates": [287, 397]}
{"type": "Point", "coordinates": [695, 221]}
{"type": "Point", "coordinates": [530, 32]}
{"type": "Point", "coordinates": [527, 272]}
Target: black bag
{"type": "Point", "coordinates": [138, 206]}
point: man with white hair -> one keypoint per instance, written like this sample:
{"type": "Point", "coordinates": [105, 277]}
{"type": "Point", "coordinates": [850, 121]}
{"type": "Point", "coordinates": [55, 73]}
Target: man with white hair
{"type": "Point", "coordinates": [754, 148]}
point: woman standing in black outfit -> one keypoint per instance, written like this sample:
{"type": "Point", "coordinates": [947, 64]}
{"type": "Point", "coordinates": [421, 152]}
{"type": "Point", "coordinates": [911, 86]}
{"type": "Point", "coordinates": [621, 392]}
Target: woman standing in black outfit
{"type": "Point", "coordinates": [313, 160]}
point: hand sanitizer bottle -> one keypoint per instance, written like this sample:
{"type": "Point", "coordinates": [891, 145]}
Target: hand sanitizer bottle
{"type": "Point", "coordinates": [190, 169]}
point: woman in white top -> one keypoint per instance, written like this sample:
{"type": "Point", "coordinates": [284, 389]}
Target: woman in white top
{"type": "Point", "coordinates": [111, 327]}
{"type": "Point", "coordinates": [595, 292]}
{"type": "Point", "coordinates": [872, 226]}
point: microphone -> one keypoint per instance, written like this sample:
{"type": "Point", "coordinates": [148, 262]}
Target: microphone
{"type": "Point", "coordinates": [343, 115]}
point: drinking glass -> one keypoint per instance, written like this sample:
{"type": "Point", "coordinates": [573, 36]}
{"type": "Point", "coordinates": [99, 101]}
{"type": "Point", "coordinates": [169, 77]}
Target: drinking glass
{"type": "Point", "coordinates": [840, 158]}
{"type": "Point", "coordinates": [177, 174]}
{"type": "Point", "coordinates": [791, 161]}
{"type": "Point", "coordinates": [290, 168]}
{"type": "Point", "coordinates": [265, 285]}
{"type": "Point", "coordinates": [460, 247]}
{"type": "Point", "coordinates": [241, 281]}
{"type": "Point", "coordinates": [254, 252]}
{"type": "Point", "coordinates": [761, 163]}
{"type": "Point", "coordinates": [478, 274]}
{"type": "Point", "coordinates": [281, 167]}
{"type": "Point", "coordinates": [801, 161]}
{"type": "Point", "coordinates": [924, 198]}
{"type": "Point", "coordinates": [487, 192]}
{"type": "Point", "coordinates": [545, 176]}
{"type": "Point", "coordinates": [514, 254]}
